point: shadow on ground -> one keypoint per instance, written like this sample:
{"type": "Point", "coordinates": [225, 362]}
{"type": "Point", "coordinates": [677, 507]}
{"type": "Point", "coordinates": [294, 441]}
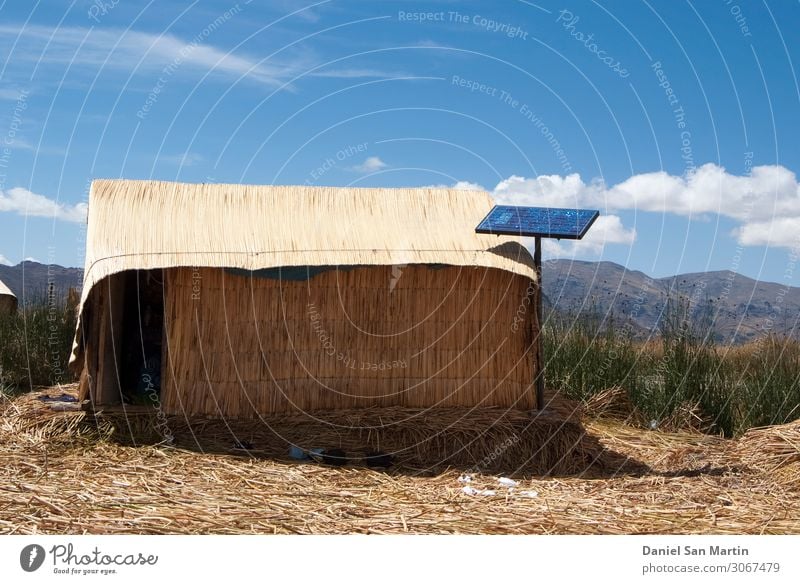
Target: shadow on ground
{"type": "Point", "coordinates": [419, 443]}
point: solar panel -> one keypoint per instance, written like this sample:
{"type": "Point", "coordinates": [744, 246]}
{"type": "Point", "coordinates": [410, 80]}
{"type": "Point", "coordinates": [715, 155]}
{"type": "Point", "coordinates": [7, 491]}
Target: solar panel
{"type": "Point", "coordinates": [538, 222]}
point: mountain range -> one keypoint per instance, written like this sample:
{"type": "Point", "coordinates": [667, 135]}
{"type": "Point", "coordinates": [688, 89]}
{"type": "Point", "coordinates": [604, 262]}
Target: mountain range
{"type": "Point", "coordinates": [32, 279]}
{"type": "Point", "coordinates": [737, 308]}
{"type": "Point", "coordinates": [742, 309]}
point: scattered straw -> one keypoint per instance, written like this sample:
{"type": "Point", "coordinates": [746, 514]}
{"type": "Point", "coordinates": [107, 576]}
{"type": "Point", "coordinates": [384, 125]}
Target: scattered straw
{"type": "Point", "coordinates": [67, 473]}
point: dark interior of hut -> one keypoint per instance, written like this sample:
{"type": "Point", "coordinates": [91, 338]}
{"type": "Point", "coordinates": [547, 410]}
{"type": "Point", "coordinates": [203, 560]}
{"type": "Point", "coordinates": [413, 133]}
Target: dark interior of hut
{"type": "Point", "coordinates": [142, 338]}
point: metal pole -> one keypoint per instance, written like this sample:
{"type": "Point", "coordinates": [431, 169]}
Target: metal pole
{"type": "Point", "coordinates": [537, 264]}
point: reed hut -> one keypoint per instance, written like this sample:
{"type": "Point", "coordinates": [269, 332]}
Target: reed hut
{"type": "Point", "coordinates": [243, 301]}
{"type": "Point", "coordinates": [8, 301]}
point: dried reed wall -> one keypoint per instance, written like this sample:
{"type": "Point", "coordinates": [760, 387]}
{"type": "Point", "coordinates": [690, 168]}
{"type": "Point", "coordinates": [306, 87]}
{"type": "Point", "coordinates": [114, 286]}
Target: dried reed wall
{"type": "Point", "coordinates": [415, 336]}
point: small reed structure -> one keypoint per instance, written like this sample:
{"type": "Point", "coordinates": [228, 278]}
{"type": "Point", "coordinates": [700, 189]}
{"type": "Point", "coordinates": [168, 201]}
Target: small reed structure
{"type": "Point", "coordinates": [243, 301]}
{"type": "Point", "coordinates": [8, 300]}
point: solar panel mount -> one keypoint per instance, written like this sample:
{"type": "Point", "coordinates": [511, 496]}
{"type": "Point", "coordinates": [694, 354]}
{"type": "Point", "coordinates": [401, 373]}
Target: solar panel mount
{"type": "Point", "coordinates": [538, 222]}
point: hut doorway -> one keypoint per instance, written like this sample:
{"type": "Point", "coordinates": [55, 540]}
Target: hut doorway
{"type": "Point", "coordinates": [142, 336]}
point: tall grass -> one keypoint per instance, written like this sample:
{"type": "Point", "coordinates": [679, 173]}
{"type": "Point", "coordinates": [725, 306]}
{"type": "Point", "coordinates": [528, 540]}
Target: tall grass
{"type": "Point", "coordinates": [35, 343]}
{"type": "Point", "coordinates": [680, 370]}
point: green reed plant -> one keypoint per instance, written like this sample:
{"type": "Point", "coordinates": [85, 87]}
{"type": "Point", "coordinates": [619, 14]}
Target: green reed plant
{"type": "Point", "coordinates": [35, 344]}
{"type": "Point", "coordinates": [732, 388]}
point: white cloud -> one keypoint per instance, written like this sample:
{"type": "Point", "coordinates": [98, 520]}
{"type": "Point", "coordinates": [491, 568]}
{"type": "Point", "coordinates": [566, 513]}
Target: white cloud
{"type": "Point", "coordinates": [461, 185]}
{"type": "Point", "coordinates": [766, 203]}
{"type": "Point", "coordinates": [4, 261]}
{"type": "Point", "coordinates": [542, 191]}
{"type": "Point", "coordinates": [24, 202]}
{"type": "Point", "coordinates": [769, 191]}
{"type": "Point", "coordinates": [464, 185]}
{"type": "Point", "coordinates": [371, 164]}
{"type": "Point", "coordinates": [606, 229]}
{"type": "Point", "coordinates": [555, 191]}
{"type": "Point", "coordinates": [781, 232]}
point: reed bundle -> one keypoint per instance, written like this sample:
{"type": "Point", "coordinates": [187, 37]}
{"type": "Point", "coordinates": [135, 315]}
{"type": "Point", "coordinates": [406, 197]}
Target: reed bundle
{"type": "Point", "coordinates": [775, 450]}
{"type": "Point", "coordinates": [612, 402]}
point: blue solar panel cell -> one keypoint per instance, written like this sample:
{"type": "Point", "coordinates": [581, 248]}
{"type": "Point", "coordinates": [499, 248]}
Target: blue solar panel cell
{"type": "Point", "coordinates": [538, 222]}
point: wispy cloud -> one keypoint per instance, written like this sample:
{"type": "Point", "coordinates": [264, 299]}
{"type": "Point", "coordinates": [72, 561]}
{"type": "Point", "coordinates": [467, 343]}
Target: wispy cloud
{"type": "Point", "coordinates": [287, 6]}
{"type": "Point", "coordinates": [18, 143]}
{"type": "Point", "coordinates": [183, 160]}
{"type": "Point", "coordinates": [431, 44]}
{"type": "Point", "coordinates": [24, 202]}
{"type": "Point", "coordinates": [355, 73]}
{"type": "Point", "coordinates": [8, 94]}
{"type": "Point", "coordinates": [371, 164]}
{"type": "Point", "coordinates": [22, 144]}
{"type": "Point", "coordinates": [131, 51]}
{"type": "Point", "coordinates": [4, 261]}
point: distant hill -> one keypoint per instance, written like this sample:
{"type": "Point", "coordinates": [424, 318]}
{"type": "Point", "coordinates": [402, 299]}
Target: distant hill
{"type": "Point", "coordinates": [742, 308]}
{"type": "Point", "coordinates": [33, 278]}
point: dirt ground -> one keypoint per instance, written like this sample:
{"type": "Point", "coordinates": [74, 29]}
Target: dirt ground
{"type": "Point", "coordinates": [59, 477]}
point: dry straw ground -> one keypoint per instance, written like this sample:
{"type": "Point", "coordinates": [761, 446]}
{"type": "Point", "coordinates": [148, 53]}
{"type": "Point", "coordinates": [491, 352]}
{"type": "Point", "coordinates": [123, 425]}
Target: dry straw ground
{"type": "Point", "coordinates": [65, 472]}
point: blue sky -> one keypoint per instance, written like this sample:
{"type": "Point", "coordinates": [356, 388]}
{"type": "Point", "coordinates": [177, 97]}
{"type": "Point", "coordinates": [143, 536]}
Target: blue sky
{"type": "Point", "coordinates": [678, 120]}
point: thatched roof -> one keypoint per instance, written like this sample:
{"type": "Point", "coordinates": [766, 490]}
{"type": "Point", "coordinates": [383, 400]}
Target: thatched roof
{"type": "Point", "coordinates": [5, 291]}
{"type": "Point", "coordinates": [152, 224]}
